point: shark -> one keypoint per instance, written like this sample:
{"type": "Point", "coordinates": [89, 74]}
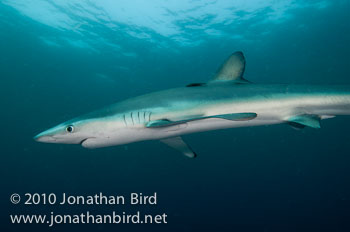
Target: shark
{"type": "Point", "coordinates": [227, 100]}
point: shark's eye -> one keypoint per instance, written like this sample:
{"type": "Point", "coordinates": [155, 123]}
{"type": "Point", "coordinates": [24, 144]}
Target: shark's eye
{"type": "Point", "coordinates": [70, 128]}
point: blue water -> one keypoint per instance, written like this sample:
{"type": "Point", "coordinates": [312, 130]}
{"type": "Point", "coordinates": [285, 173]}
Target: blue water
{"type": "Point", "coordinates": [61, 59]}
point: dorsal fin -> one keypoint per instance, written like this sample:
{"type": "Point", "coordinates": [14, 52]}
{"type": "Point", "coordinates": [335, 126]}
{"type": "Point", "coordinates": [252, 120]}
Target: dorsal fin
{"type": "Point", "coordinates": [232, 69]}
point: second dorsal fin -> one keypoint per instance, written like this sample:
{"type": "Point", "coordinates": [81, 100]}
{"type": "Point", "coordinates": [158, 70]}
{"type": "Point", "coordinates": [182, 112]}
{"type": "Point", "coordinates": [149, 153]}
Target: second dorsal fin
{"type": "Point", "coordinates": [232, 69]}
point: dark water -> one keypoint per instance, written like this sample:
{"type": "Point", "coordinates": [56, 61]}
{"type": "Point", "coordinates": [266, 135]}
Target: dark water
{"type": "Point", "coordinates": [61, 59]}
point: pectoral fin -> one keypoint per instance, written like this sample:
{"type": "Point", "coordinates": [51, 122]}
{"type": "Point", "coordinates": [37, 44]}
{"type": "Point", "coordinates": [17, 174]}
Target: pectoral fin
{"type": "Point", "coordinates": [178, 144]}
{"type": "Point", "coordinates": [160, 123]}
{"type": "Point", "coordinates": [232, 117]}
{"type": "Point", "coordinates": [237, 117]}
{"type": "Point", "coordinates": [301, 121]}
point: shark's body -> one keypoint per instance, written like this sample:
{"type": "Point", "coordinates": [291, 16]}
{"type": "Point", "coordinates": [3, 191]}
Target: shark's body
{"type": "Point", "coordinates": [228, 101]}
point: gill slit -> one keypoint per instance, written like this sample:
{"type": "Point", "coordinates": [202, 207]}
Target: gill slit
{"type": "Point", "coordinates": [125, 120]}
{"type": "Point", "coordinates": [132, 119]}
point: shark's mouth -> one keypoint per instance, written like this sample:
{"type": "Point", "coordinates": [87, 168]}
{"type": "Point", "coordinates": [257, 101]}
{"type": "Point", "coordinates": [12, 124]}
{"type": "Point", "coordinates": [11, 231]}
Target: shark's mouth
{"type": "Point", "coordinates": [87, 142]}
{"type": "Point", "coordinates": [82, 141]}
{"type": "Point", "coordinates": [92, 142]}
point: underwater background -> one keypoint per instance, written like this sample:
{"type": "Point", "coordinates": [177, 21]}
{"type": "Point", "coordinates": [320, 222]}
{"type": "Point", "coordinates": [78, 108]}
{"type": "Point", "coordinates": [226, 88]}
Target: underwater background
{"type": "Point", "coordinates": [62, 59]}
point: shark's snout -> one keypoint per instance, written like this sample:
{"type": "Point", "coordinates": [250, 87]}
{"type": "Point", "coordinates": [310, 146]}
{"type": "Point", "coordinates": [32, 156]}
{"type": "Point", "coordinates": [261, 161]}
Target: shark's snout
{"type": "Point", "coordinates": [63, 133]}
{"type": "Point", "coordinates": [44, 138]}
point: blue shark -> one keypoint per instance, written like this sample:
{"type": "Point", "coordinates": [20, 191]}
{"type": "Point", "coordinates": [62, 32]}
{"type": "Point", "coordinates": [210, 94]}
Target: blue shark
{"type": "Point", "coordinates": [228, 100]}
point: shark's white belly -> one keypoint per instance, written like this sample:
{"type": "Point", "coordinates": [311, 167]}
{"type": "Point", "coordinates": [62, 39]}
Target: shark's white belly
{"type": "Point", "coordinates": [141, 133]}
{"type": "Point", "coordinates": [268, 112]}
{"type": "Point", "coordinates": [202, 125]}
